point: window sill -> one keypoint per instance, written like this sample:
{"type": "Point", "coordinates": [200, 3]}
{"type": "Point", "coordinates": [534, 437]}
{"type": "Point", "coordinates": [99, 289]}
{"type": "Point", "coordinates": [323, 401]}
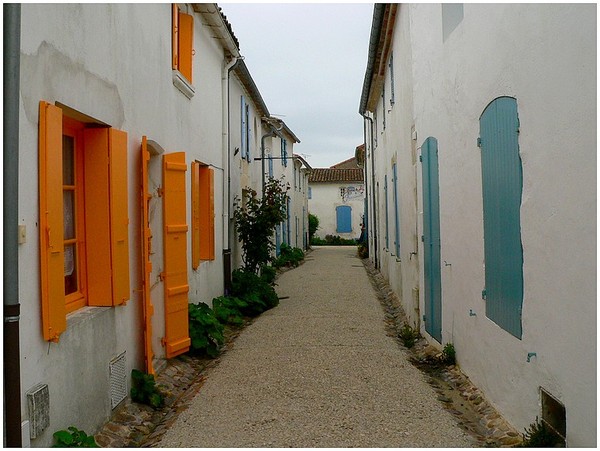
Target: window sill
{"type": "Point", "coordinates": [183, 84]}
{"type": "Point", "coordinates": [84, 314]}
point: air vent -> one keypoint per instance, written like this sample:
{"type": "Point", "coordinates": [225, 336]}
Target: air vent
{"type": "Point", "coordinates": [554, 414]}
{"type": "Point", "coordinates": [118, 380]}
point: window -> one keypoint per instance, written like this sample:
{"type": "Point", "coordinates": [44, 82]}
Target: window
{"type": "Point", "coordinates": [245, 128]}
{"type": "Point", "coordinates": [203, 214]}
{"type": "Point", "coordinates": [343, 216]}
{"type": "Point", "coordinates": [502, 180]}
{"type": "Point", "coordinates": [387, 220]}
{"type": "Point", "coordinates": [392, 94]}
{"type": "Point", "coordinates": [182, 42]}
{"type": "Point", "coordinates": [383, 103]}
{"type": "Point", "coordinates": [396, 210]}
{"type": "Point", "coordinates": [270, 166]}
{"type": "Point", "coordinates": [84, 225]}
{"type": "Point", "coordinates": [310, 192]}
{"type": "Point", "coordinates": [284, 152]}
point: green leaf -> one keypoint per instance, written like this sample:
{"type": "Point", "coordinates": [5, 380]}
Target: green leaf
{"type": "Point", "coordinates": [63, 437]}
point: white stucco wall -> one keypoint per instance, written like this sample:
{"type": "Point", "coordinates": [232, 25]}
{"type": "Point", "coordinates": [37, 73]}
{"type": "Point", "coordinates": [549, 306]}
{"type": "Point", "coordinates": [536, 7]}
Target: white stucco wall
{"type": "Point", "coordinates": [75, 54]}
{"type": "Point", "coordinates": [545, 57]}
{"type": "Point", "coordinates": [324, 200]}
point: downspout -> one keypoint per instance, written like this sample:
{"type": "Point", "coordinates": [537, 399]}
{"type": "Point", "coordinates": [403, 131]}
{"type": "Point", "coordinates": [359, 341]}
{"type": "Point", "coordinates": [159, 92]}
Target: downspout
{"type": "Point", "coordinates": [374, 204]}
{"type": "Point", "coordinates": [226, 145]}
{"type": "Point", "coordinates": [12, 308]}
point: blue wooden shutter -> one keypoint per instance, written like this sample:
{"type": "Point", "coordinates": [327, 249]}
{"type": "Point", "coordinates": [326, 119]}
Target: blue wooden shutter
{"type": "Point", "coordinates": [270, 166]}
{"type": "Point", "coordinates": [385, 190]}
{"type": "Point", "coordinates": [396, 211]}
{"type": "Point", "coordinates": [343, 215]}
{"type": "Point", "coordinates": [248, 134]}
{"type": "Point", "coordinates": [502, 185]}
{"type": "Point", "coordinates": [243, 127]}
{"type": "Point", "coordinates": [393, 96]}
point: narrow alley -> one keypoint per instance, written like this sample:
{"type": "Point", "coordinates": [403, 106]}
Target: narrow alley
{"type": "Point", "coordinates": [317, 371]}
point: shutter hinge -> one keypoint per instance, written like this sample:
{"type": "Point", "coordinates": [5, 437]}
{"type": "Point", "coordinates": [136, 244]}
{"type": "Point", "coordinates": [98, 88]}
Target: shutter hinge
{"type": "Point", "coordinates": [160, 191]}
{"type": "Point", "coordinates": [424, 320]}
{"type": "Point", "coordinates": [161, 276]}
{"type": "Point", "coordinates": [422, 238]}
{"type": "Point", "coordinates": [483, 294]}
{"type": "Point", "coordinates": [479, 142]}
{"type": "Point", "coordinates": [421, 158]}
{"type": "Point", "coordinates": [163, 341]}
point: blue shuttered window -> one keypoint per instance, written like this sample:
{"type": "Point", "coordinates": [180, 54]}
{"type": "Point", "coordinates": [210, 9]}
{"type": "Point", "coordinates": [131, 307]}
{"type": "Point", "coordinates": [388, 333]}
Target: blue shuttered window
{"type": "Point", "coordinates": [284, 152]}
{"type": "Point", "coordinates": [387, 219]}
{"type": "Point", "coordinates": [396, 211]}
{"type": "Point", "coordinates": [343, 215]}
{"type": "Point", "coordinates": [244, 128]}
{"type": "Point", "coordinates": [270, 166]}
{"type": "Point", "coordinates": [391, 66]}
{"type": "Point", "coordinates": [502, 186]}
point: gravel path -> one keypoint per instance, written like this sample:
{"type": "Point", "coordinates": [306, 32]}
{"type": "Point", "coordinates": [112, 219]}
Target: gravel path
{"type": "Point", "coordinates": [317, 371]}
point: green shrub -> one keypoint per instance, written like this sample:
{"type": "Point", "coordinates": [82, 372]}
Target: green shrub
{"type": "Point", "coordinates": [408, 335]}
{"type": "Point", "coordinates": [539, 435]}
{"type": "Point", "coordinates": [332, 240]}
{"type": "Point", "coordinates": [448, 354]}
{"type": "Point", "coordinates": [289, 256]}
{"type": "Point", "coordinates": [206, 332]}
{"type": "Point", "coordinates": [363, 251]}
{"type": "Point", "coordinates": [254, 290]}
{"type": "Point", "coordinates": [74, 438]}
{"type": "Point", "coordinates": [313, 225]}
{"type": "Point", "coordinates": [143, 389]}
{"type": "Point", "coordinates": [228, 310]}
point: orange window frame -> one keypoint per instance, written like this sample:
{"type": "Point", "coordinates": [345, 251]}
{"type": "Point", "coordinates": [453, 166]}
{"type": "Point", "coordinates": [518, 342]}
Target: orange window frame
{"type": "Point", "coordinates": [77, 299]}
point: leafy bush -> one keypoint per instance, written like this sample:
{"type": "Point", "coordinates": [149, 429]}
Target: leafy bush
{"type": "Point", "coordinates": [539, 435]}
{"type": "Point", "coordinates": [332, 240]}
{"type": "Point", "coordinates": [206, 332]}
{"type": "Point", "coordinates": [228, 310]}
{"type": "Point", "coordinates": [254, 290]}
{"type": "Point", "coordinates": [255, 220]}
{"type": "Point", "coordinates": [363, 251]}
{"type": "Point", "coordinates": [74, 438]}
{"type": "Point", "coordinates": [313, 225]}
{"type": "Point", "coordinates": [143, 389]}
{"type": "Point", "coordinates": [408, 335]}
{"type": "Point", "coordinates": [448, 354]}
{"type": "Point", "coordinates": [289, 256]}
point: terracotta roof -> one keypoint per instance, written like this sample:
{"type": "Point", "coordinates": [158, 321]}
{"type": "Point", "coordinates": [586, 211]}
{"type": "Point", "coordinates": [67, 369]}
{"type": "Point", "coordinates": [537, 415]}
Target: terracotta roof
{"type": "Point", "coordinates": [336, 175]}
{"type": "Point", "coordinates": [350, 163]}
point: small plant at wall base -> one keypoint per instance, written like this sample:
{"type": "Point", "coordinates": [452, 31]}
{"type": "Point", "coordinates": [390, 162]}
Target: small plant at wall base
{"type": "Point", "coordinates": [144, 391]}
{"type": "Point", "coordinates": [255, 220]}
{"type": "Point", "coordinates": [206, 332]}
{"type": "Point", "coordinates": [313, 226]}
{"type": "Point", "coordinates": [254, 290]}
{"type": "Point", "coordinates": [74, 438]}
{"type": "Point", "coordinates": [228, 310]}
{"type": "Point", "coordinates": [540, 435]}
{"type": "Point", "coordinates": [289, 256]}
{"type": "Point", "coordinates": [448, 354]}
{"type": "Point", "coordinates": [363, 251]}
{"type": "Point", "coordinates": [408, 336]}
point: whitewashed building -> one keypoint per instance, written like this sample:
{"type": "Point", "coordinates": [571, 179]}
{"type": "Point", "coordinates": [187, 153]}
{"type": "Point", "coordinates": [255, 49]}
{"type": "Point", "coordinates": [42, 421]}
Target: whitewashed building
{"type": "Point", "coordinates": [336, 196]}
{"type": "Point", "coordinates": [480, 133]}
{"type": "Point", "coordinates": [137, 129]}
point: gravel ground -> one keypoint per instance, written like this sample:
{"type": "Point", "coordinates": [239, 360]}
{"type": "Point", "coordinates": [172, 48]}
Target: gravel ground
{"type": "Point", "coordinates": [317, 371]}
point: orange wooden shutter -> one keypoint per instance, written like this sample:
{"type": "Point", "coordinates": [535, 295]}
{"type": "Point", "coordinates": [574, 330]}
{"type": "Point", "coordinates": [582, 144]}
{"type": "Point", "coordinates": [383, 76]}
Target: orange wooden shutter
{"type": "Point", "coordinates": [97, 217]}
{"type": "Point", "coordinates": [175, 35]}
{"type": "Point", "coordinates": [186, 40]}
{"type": "Point", "coordinates": [195, 215]}
{"type": "Point", "coordinates": [207, 213]}
{"type": "Point", "coordinates": [147, 306]}
{"type": "Point", "coordinates": [119, 216]}
{"type": "Point", "coordinates": [52, 277]}
{"type": "Point", "coordinates": [176, 340]}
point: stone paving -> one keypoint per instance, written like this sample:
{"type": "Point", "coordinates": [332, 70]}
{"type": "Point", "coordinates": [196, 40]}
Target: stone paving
{"type": "Point", "coordinates": [137, 425]}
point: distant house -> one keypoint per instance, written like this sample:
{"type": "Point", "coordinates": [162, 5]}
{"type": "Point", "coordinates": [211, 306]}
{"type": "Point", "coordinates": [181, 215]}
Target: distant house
{"type": "Point", "coordinates": [481, 152]}
{"type": "Point", "coordinates": [336, 196]}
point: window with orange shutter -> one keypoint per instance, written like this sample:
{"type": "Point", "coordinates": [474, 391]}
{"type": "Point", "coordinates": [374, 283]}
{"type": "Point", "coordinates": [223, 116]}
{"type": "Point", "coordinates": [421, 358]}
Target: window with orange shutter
{"type": "Point", "coordinates": [182, 42]}
{"type": "Point", "coordinates": [84, 244]}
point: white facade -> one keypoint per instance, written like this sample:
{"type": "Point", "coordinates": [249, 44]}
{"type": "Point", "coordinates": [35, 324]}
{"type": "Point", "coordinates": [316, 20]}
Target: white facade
{"type": "Point", "coordinates": [326, 197]}
{"type": "Point", "coordinates": [97, 63]}
{"type": "Point", "coordinates": [449, 63]}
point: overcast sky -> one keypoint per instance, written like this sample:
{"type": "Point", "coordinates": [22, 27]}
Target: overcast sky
{"type": "Point", "coordinates": [308, 61]}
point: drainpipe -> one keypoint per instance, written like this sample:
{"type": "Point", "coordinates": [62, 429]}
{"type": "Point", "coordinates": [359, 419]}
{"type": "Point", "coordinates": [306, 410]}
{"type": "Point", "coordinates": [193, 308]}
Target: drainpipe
{"type": "Point", "coordinates": [12, 308]}
{"type": "Point", "coordinates": [226, 145]}
{"type": "Point", "coordinates": [374, 204]}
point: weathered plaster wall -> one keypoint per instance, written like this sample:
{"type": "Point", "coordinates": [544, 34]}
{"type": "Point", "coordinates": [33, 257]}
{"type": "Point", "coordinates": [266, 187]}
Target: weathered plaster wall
{"type": "Point", "coordinates": [544, 56]}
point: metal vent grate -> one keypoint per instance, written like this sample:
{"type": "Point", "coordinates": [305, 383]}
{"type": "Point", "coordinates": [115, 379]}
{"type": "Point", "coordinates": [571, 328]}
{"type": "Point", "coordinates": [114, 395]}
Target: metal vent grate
{"type": "Point", "coordinates": [118, 380]}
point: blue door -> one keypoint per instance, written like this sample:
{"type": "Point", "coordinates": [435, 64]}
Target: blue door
{"type": "Point", "coordinates": [343, 215]}
{"type": "Point", "coordinates": [502, 185]}
{"type": "Point", "coordinates": [431, 239]}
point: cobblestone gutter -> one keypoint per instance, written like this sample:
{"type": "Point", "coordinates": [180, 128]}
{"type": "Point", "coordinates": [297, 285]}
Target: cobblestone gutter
{"type": "Point", "coordinates": [465, 401]}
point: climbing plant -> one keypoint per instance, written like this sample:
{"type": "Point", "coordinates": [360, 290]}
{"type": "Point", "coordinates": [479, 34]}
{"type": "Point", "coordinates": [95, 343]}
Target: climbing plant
{"type": "Point", "coordinates": [255, 220]}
